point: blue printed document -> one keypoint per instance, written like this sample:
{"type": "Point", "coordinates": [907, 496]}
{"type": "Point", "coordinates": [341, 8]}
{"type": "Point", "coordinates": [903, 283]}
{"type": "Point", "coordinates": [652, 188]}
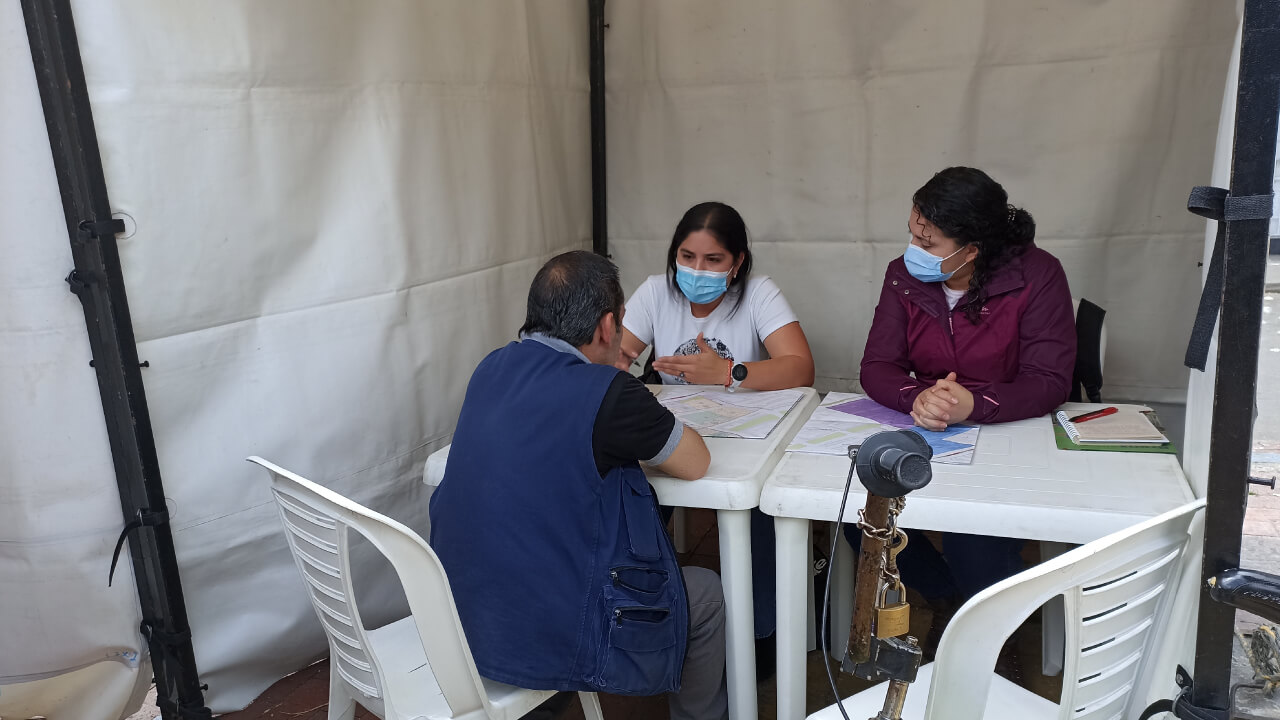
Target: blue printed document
{"type": "Point", "coordinates": [845, 419]}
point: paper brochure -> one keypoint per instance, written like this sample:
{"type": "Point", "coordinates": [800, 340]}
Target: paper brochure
{"type": "Point", "coordinates": [845, 419]}
{"type": "Point", "coordinates": [715, 413]}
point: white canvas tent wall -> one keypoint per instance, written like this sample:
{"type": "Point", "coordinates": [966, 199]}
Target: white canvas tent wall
{"type": "Point", "coordinates": [335, 212]}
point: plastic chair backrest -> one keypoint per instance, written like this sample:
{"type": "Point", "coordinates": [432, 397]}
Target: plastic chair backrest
{"type": "Point", "coordinates": [316, 522]}
{"type": "Point", "coordinates": [1117, 591]}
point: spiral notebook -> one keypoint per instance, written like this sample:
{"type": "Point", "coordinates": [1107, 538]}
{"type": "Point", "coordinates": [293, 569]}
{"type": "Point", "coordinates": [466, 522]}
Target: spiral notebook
{"type": "Point", "coordinates": [1127, 426]}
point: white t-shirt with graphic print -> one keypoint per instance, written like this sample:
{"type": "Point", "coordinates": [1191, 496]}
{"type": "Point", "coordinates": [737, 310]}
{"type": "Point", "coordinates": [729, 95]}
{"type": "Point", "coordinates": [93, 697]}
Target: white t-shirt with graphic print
{"type": "Point", "coordinates": [660, 316]}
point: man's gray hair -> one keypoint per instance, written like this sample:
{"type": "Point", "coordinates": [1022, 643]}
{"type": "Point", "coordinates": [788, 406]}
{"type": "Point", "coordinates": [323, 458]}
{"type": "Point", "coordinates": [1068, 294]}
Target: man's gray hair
{"type": "Point", "coordinates": [570, 294]}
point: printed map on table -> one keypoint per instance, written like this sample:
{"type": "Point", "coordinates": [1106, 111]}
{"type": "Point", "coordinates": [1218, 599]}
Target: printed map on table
{"type": "Point", "coordinates": [715, 413]}
{"type": "Point", "coordinates": [845, 419]}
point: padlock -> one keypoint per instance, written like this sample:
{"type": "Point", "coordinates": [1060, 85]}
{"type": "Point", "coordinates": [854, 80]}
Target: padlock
{"type": "Point", "coordinates": [892, 620]}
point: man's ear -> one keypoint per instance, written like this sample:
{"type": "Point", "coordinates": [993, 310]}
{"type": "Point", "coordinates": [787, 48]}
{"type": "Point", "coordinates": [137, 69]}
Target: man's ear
{"type": "Point", "coordinates": [609, 327]}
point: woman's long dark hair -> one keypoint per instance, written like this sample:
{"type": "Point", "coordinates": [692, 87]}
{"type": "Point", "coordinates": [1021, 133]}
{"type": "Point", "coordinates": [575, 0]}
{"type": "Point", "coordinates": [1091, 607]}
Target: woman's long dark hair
{"type": "Point", "coordinates": [727, 226]}
{"type": "Point", "coordinates": [966, 205]}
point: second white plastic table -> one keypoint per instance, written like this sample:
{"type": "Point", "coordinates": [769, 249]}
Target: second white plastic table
{"type": "Point", "coordinates": [1018, 485]}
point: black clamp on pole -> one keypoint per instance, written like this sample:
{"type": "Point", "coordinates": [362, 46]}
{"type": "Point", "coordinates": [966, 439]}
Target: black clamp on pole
{"type": "Point", "coordinates": [87, 231]}
{"type": "Point", "coordinates": [79, 282]}
{"type": "Point", "coordinates": [1181, 706]}
{"type": "Point", "coordinates": [162, 641]}
{"type": "Point", "coordinates": [144, 518]}
{"type": "Point", "coordinates": [94, 229]}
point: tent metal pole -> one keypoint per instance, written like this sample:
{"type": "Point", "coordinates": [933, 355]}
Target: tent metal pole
{"type": "Point", "coordinates": [599, 209]}
{"type": "Point", "coordinates": [98, 282]}
{"type": "Point", "coordinates": [1253, 159]}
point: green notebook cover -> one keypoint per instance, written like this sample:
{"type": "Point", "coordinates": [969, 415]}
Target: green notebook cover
{"type": "Point", "coordinates": [1064, 442]}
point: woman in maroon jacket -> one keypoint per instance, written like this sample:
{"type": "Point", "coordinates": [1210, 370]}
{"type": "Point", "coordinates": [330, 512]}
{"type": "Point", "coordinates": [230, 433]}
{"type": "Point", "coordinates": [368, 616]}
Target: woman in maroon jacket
{"type": "Point", "coordinates": [974, 324]}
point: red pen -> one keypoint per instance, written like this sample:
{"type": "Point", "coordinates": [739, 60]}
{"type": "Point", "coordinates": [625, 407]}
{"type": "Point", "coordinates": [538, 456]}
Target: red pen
{"type": "Point", "coordinates": [1094, 415]}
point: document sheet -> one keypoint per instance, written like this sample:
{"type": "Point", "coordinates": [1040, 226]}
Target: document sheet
{"type": "Point", "coordinates": [715, 413]}
{"type": "Point", "coordinates": [845, 419]}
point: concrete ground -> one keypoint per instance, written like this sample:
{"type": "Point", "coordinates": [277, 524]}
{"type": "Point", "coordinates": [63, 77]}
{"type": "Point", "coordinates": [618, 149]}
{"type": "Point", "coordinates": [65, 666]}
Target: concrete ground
{"type": "Point", "coordinates": [1260, 545]}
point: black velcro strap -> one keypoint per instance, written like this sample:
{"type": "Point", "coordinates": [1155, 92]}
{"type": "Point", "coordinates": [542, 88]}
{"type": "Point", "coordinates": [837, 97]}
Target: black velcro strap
{"type": "Point", "coordinates": [1249, 207]}
{"type": "Point", "coordinates": [1207, 202]}
{"type": "Point", "coordinates": [171, 708]}
{"type": "Point", "coordinates": [1216, 204]}
{"type": "Point", "coordinates": [1155, 708]}
{"type": "Point", "coordinates": [1210, 302]}
{"type": "Point", "coordinates": [1184, 709]}
{"type": "Point", "coordinates": [154, 634]}
{"type": "Point", "coordinates": [145, 518]}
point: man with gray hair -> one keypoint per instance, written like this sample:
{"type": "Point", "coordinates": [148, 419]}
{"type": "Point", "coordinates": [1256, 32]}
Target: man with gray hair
{"type": "Point", "coordinates": [560, 565]}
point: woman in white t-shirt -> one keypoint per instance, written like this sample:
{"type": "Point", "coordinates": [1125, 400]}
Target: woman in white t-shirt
{"type": "Point", "coordinates": [709, 321]}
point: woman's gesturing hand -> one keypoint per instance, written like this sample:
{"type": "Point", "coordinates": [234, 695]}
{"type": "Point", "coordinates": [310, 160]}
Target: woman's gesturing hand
{"type": "Point", "coordinates": [704, 367]}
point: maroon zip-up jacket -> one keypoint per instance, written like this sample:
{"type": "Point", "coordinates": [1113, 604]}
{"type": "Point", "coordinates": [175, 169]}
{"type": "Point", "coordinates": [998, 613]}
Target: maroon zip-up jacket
{"type": "Point", "coordinates": [1017, 361]}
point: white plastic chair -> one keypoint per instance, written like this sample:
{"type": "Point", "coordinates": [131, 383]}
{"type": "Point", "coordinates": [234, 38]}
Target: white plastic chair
{"type": "Point", "coordinates": [1117, 593]}
{"type": "Point", "coordinates": [417, 667]}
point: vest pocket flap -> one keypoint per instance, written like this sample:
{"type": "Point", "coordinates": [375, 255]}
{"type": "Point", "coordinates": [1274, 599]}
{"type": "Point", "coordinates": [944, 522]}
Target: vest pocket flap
{"type": "Point", "coordinates": [641, 514]}
{"type": "Point", "coordinates": [642, 629]}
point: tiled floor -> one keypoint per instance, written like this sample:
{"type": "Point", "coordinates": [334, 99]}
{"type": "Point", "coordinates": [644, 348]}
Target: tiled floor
{"type": "Point", "coordinates": [1260, 550]}
{"type": "Point", "coordinates": [303, 695]}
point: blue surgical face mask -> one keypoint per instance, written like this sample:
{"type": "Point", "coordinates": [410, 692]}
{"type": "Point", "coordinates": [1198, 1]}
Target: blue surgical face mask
{"type": "Point", "coordinates": [701, 286]}
{"type": "Point", "coordinates": [925, 266]}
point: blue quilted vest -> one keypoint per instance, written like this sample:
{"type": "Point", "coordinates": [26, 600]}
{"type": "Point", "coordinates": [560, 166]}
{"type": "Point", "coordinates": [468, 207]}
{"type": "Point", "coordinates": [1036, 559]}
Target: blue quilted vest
{"type": "Point", "coordinates": [563, 580]}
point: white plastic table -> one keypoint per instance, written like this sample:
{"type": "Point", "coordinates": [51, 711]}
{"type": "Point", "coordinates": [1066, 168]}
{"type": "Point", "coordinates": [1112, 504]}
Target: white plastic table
{"type": "Point", "coordinates": [1018, 485]}
{"type": "Point", "coordinates": [731, 487]}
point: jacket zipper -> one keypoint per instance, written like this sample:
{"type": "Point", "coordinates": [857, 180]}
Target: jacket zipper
{"type": "Point", "coordinates": [620, 612]}
{"type": "Point", "coordinates": [684, 589]}
{"type": "Point", "coordinates": [619, 582]}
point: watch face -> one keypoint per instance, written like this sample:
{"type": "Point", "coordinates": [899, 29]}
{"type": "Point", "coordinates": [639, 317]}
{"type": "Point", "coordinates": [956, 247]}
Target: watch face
{"type": "Point", "coordinates": [739, 372]}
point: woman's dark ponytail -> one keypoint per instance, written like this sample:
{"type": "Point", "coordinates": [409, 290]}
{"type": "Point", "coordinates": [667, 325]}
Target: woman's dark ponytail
{"type": "Point", "coordinates": [1022, 227]}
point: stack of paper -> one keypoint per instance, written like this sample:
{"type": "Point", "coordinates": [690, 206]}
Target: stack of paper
{"type": "Point", "coordinates": [845, 419]}
{"type": "Point", "coordinates": [715, 413]}
{"type": "Point", "coordinates": [1127, 426]}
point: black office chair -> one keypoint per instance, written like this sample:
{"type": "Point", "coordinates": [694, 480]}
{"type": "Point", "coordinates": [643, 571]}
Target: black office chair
{"type": "Point", "coordinates": [649, 376]}
{"type": "Point", "coordinates": [1091, 344]}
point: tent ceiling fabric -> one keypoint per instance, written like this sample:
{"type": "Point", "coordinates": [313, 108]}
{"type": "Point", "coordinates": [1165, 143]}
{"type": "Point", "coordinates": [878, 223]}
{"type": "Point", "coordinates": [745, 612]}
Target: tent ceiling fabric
{"type": "Point", "coordinates": [338, 211]}
{"type": "Point", "coordinates": [818, 120]}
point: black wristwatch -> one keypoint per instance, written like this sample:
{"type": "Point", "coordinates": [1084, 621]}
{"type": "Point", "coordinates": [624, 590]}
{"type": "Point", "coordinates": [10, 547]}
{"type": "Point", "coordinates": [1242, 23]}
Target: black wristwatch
{"type": "Point", "coordinates": [739, 374]}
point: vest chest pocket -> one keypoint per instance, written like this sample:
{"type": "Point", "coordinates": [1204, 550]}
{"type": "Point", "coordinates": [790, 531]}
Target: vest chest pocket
{"type": "Point", "coordinates": [644, 582]}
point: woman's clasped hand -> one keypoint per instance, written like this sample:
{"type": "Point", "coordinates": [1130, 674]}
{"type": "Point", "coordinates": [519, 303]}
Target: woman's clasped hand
{"type": "Point", "coordinates": [946, 403]}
